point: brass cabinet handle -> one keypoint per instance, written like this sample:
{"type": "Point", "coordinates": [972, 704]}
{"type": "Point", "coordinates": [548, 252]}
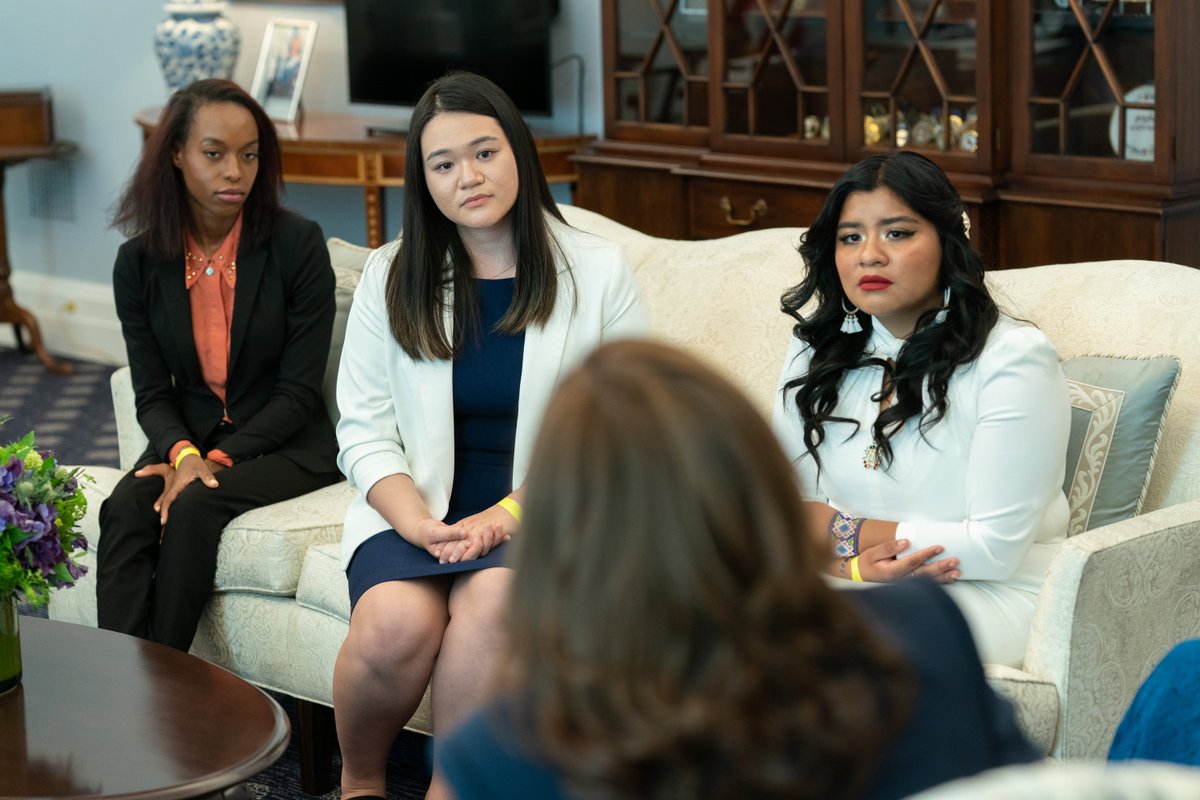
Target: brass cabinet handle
{"type": "Point", "coordinates": [756, 212]}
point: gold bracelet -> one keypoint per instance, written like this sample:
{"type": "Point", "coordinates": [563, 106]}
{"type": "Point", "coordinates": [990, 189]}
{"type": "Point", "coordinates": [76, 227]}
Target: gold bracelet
{"type": "Point", "coordinates": [855, 575]}
{"type": "Point", "coordinates": [184, 453]}
{"type": "Point", "coordinates": [511, 506]}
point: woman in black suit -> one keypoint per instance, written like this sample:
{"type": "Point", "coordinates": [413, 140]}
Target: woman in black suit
{"type": "Point", "coordinates": [226, 304]}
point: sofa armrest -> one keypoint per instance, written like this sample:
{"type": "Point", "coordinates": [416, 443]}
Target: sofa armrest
{"type": "Point", "coordinates": [1035, 701]}
{"type": "Point", "coordinates": [1114, 601]}
{"type": "Point", "coordinates": [131, 440]}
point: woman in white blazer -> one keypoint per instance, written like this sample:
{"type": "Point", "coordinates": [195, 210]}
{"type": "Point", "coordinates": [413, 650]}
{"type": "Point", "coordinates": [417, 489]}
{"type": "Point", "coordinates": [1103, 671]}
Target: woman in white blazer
{"type": "Point", "coordinates": [459, 332]}
{"type": "Point", "coordinates": [929, 430]}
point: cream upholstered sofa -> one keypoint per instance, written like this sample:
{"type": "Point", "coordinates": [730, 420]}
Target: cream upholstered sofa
{"type": "Point", "coordinates": [1116, 598]}
{"type": "Point", "coordinates": [1051, 780]}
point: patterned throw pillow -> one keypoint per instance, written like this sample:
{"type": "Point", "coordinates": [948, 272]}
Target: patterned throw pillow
{"type": "Point", "coordinates": [1118, 406]}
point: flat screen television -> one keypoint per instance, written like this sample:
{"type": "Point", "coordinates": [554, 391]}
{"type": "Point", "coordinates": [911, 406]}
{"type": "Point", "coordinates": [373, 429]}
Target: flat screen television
{"type": "Point", "coordinates": [396, 47]}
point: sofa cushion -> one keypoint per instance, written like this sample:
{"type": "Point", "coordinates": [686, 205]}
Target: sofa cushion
{"type": "Point", "coordinates": [262, 550]}
{"type": "Point", "coordinates": [1035, 703]}
{"type": "Point", "coordinates": [323, 584]}
{"type": "Point", "coordinates": [718, 299]}
{"type": "Point", "coordinates": [346, 280]}
{"type": "Point", "coordinates": [344, 255]}
{"type": "Point", "coordinates": [1118, 406]}
{"type": "Point", "coordinates": [1050, 780]}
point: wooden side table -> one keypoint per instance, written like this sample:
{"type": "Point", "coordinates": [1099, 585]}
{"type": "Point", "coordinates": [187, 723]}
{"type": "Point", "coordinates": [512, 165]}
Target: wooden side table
{"type": "Point", "coordinates": [102, 714]}
{"type": "Point", "coordinates": [9, 310]}
{"type": "Point", "coordinates": [339, 150]}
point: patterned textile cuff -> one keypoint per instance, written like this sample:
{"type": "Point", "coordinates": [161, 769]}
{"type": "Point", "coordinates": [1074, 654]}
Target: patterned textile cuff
{"type": "Point", "coordinates": [844, 529]}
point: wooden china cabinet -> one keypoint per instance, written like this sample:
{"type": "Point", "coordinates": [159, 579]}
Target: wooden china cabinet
{"type": "Point", "coordinates": [1069, 126]}
{"type": "Point", "coordinates": [1105, 132]}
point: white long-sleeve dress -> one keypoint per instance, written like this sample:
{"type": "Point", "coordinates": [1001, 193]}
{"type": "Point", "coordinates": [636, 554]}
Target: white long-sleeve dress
{"type": "Point", "coordinates": [985, 482]}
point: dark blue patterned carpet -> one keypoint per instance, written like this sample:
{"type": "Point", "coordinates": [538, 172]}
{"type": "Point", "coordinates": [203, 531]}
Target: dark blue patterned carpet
{"type": "Point", "coordinates": [408, 773]}
{"type": "Point", "coordinates": [70, 414]}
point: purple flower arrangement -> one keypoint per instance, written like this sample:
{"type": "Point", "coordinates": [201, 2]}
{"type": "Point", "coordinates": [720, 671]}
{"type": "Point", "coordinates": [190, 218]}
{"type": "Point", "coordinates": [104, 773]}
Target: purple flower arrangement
{"type": "Point", "coordinates": [41, 505]}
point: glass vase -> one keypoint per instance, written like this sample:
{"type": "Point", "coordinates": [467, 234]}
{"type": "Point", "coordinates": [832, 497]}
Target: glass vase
{"type": "Point", "coordinates": [10, 645]}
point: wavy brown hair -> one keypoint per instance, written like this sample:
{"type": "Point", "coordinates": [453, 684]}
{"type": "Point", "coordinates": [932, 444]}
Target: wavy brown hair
{"type": "Point", "coordinates": [668, 620]}
{"type": "Point", "coordinates": [154, 203]}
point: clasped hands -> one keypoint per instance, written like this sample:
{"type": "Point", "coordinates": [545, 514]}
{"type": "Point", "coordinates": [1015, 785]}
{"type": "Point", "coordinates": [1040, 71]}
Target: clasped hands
{"type": "Point", "coordinates": [883, 562]}
{"type": "Point", "coordinates": [470, 538]}
{"type": "Point", "coordinates": [191, 468]}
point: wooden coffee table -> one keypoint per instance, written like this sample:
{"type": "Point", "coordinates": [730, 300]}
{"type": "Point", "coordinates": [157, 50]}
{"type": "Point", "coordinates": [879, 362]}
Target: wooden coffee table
{"type": "Point", "coordinates": [101, 714]}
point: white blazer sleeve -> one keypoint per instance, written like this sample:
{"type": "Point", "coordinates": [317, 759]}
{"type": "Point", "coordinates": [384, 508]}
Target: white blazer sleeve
{"type": "Point", "coordinates": [370, 447]}
{"type": "Point", "coordinates": [1016, 462]}
{"type": "Point", "coordinates": [785, 420]}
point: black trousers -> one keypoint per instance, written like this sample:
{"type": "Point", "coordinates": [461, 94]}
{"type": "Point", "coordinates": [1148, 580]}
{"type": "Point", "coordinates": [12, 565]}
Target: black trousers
{"type": "Point", "coordinates": [153, 581]}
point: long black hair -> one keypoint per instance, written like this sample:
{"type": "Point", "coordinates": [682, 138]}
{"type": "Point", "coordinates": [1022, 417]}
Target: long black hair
{"type": "Point", "coordinates": [417, 280]}
{"type": "Point", "coordinates": [933, 352]}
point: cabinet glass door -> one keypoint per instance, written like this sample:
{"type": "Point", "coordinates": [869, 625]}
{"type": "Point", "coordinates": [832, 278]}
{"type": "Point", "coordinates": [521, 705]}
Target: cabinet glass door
{"type": "Point", "coordinates": [661, 62]}
{"type": "Point", "coordinates": [919, 86]}
{"type": "Point", "coordinates": [1092, 79]}
{"type": "Point", "coordinates": [775, 81]}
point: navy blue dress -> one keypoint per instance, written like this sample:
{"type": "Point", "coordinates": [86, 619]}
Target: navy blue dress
{"type": "Point", "coordinates": [487, 387]}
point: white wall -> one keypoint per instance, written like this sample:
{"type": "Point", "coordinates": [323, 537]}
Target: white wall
{"type": "Point", "coordinates": [97, 59]}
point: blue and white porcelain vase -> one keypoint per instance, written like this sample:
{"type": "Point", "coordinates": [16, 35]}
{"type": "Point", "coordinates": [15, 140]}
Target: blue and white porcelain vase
{"type": "Point", "coordinates": [196, 41]}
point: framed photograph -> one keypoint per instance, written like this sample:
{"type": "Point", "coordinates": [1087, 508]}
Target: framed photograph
{"type": "Point", "coordinates": [279, 77]}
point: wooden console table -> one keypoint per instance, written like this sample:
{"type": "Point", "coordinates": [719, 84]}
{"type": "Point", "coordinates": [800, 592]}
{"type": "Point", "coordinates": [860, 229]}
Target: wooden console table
{"type": "Point", "coordinates": [336, 150]}
{"type": "Point", "coordinates": [9, 310]}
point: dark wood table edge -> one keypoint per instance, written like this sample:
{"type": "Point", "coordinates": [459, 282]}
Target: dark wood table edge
{"type": "Point", "coordinates": [276, 743]}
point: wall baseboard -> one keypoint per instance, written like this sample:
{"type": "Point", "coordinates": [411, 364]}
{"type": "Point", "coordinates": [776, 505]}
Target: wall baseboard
{"type": "Point", "coordinates": [78, 319]}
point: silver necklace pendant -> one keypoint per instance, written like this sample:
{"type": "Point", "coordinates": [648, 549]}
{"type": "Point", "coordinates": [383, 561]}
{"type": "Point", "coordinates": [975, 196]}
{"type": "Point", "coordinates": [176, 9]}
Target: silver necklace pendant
{"type": "Point", "coordinates": [208, 271]}
{"type": "Point", "coordinates": [871, 456]}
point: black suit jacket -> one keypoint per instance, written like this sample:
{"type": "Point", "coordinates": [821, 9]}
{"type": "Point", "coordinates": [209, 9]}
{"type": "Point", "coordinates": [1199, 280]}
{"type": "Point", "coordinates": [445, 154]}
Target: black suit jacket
{"type": "Point", "coordinates": [283, 313]}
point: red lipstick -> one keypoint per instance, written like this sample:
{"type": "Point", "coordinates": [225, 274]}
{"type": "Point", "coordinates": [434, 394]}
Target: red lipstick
{"type": "Point", "coordinates": [873, 283]}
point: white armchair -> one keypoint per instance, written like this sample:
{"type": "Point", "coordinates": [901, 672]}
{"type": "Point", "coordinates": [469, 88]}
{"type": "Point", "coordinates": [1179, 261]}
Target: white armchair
{"type": "Point", "coordinates": [1117, 597]}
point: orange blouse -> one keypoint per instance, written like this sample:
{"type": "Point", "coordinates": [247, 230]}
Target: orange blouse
{"type": "Point", "coordinates": [210, 283]}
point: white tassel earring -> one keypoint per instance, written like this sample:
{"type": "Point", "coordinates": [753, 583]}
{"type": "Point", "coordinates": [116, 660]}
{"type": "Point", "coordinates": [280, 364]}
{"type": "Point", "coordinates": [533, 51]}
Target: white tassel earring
{"type": "Point", "coordinates": [940, 316]}
{"type": "Point", "coordinates": [850, 323]}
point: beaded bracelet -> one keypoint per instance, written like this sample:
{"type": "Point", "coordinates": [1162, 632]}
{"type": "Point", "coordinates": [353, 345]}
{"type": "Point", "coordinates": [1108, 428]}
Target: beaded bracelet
{"type": "Point", "coordinates": [184, 453]}
{"type": "Point", "coordinates": [511, 506]}
{"type": "Point", "coordinates": [844, 529]}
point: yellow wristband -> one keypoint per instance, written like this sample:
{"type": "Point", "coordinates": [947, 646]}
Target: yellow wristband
{"type": "Point", "coordinates": [184, 453]}
{"type": "Point", "coordinates": [512, 507]}
{"type": "Point", "coordinates": [855, 575]}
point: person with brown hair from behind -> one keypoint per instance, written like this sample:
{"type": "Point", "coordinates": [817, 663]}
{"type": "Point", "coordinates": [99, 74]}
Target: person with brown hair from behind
{"type": "Point", "coordinates": [671, 634]}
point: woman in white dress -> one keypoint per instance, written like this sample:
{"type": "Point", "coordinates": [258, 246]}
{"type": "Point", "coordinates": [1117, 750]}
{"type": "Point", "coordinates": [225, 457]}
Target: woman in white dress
{"type": "Point", "coordinates": [928, 429]}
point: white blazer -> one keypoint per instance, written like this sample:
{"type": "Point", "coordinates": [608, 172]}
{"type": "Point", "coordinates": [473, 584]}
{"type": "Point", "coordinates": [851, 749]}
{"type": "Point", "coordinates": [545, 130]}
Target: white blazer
{"type": "Point", "coordinates": [397, 413]}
